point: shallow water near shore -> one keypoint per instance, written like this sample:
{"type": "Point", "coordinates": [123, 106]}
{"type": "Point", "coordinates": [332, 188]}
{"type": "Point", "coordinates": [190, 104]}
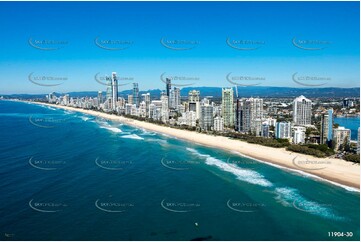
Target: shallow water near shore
{"type": "Point", "coordinates": [71, 176]}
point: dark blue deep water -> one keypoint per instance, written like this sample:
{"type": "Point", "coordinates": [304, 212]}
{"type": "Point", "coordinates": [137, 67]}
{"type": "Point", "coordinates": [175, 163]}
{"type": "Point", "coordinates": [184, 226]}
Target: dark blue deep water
{"type": "Point", "coordinates": [69, 176]}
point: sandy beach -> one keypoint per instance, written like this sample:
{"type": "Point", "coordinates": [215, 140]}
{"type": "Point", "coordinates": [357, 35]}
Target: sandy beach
{"type": "Point", "coordinates": [330, 169]}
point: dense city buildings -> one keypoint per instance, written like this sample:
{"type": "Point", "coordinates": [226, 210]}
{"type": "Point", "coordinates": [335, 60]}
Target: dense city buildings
{"type": "Point", "coordinates": [299, 121]}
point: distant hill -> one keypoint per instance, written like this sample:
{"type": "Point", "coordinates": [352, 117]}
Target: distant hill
{"type": "Point", "coordinates": [216, 92]}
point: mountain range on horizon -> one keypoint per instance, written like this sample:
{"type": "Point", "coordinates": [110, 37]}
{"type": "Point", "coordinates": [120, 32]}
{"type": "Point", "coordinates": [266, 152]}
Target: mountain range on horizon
{"type": "Point", "coordinates": [216, 92]}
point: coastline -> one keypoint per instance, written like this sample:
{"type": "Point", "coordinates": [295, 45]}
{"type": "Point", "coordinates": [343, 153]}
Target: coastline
{"type": "Point", "coordinates": [335, 171]}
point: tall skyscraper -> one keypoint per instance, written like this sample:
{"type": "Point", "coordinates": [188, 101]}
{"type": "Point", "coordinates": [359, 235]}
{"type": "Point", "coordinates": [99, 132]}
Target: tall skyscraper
{"type": "Point", "coordinates": [114, 90]}
{"type": "Point", "coordinates": [239, 115]}
{"type": "Point", "coordinates": [136, 94]}
{"type": "Point", "coordinates": [326, 127]}
{"type": "Point", "coordinates": [146, 99]}
{"type": "Point", "coordinates": [100, 98]}
{"type": "Point", "coordinates": [109, 94]}
{"type": "Point", "coordinates": [227, 107]}
{"type": "Point", "coordinates": [302, 111]}
{"type": "Point", "coordinates": [165, 108]}
{"type": "Point", "coordinates": [168, 86]}
{"type": "Point", "coordinates": [177, 97]}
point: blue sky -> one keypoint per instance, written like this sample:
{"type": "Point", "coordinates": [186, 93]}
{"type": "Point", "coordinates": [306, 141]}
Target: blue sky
{"type": "Point", "coordinates": [333, 27]}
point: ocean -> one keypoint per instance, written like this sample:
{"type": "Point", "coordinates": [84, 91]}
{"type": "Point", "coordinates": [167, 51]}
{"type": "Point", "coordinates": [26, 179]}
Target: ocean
{"type": "Point", "coordinates": [69, 176]}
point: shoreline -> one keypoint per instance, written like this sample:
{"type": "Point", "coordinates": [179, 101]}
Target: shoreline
{"type": "Point", "coordinates": [335, 171]}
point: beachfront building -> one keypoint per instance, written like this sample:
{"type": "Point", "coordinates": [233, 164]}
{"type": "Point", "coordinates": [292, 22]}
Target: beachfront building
{"type": "Point", "coordinates": [239, 115]}
{"type": "Point", "coordinates": [142, 109]}
{"type": "Point", "coordinates": [174, 98]}
{"type": "Point", "coordinates": [257, 127]}
{"type": "Point", "coordinates": [165, 108]}
{"type": "Point", "coordinates": [302, 111]}
{"type": "Point", "coordinates": [341, 138]}
{"type": "Point", "coordinates": [136, 94]}
{"type": "Point", "coordinates": [218, 124]}
{"type": "Point", "coordinates": [155, 108]}
{"type": "Point", "coordinates": [193, 102]}
{"type": "Point", "coordinates": [51, 97]}
{"type": "Point", "coordinates": [130, 99]}
{"type": "Point", "coordinates": [109, 95]}
{"type": "Point", "coordinates": [206, 118]}
{"type": "Point", "coordinates": [265, 130]}
{"type": "Point", "coordinates": [299, 134]}
{"type": "Point", "coordinates": [227, 107]}
{"type": "Point", "coordinates": [326, 127]}
{"type": "Point", "coordinates": [146, 99]}
{"type": "Point", "coordinates": [191, 118]}
{"type": "Point", "coordinates": [249, 115]}
{"type": "Point", "coordinates": [283, 130]}
{"type": "Point", "coordinates": [114, 90]}
{"type": "Point", "coordinates": [100, 98]}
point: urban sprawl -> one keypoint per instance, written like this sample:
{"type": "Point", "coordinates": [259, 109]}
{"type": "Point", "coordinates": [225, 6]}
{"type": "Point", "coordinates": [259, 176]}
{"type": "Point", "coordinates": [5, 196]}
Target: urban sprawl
{"type": "Point", "coordinates": [300, 124]}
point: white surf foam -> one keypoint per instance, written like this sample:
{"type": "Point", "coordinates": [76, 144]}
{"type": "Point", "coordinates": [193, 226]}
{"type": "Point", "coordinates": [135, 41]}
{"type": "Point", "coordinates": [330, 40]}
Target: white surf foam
{"type": "Point", "coordinates": [113, 129]}
{"type": "Point", "coordinates": [160, 141]}
{"type": "Point", "coordinates": [289, 197]}
{"type": "Point", "coordinates": [85, 118]}
{"type": "Point", "coordinates": [245, 175]}
{"type": "Point", "coordinates": [132, 136]}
